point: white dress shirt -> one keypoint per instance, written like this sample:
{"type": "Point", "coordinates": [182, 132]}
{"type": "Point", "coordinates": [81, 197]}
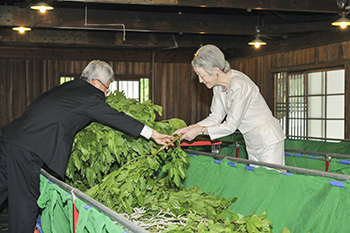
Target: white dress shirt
{"type": "Point", "coordinates": [146, 132]}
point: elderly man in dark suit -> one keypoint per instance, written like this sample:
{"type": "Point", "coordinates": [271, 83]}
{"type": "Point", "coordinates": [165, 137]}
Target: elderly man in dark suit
{"type": "Point", "coordinates": [44, 135]}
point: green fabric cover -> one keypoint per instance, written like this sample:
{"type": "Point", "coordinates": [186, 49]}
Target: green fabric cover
{"type": "Point", "coordinates": [341, 166]}
{"type": "Point", "coordinates": [318, 146]}
{"type": "Point", "coordinates": [92, 220]}
{"type": "Point", "coordinates": [57, 212]}
{"type": "Point", "coordinates": [302, 203]}
{"type": "Point", "coordinates": [293, 158]}
{"type": "Point", "coordinates": [57, 208]}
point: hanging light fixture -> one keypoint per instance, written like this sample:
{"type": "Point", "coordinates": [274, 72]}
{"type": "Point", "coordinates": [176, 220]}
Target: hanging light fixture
{"type": "Point", "coordinates": [257, 42]}
{"type": "Point", "coordinates": [343, 22]}
{"type": "Point", "coordinates": [21, 29]}
{"type": "Point", "coordinates": [42, 7]}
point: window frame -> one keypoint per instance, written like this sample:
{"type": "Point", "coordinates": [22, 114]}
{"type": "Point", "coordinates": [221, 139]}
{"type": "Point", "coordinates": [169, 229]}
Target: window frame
{"type": "Point", "coordinates": [135, 78]}
{"type": "Point", "coordinates": [74, 76]}
{"type": "Point", "coordinates": [279, 106]}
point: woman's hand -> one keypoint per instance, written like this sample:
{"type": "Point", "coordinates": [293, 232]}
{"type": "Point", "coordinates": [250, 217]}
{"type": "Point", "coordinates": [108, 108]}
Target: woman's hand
{"type": "Point", "coordinates": [162, 139]}
{"type": "Point", "coordinates": [189, 132]}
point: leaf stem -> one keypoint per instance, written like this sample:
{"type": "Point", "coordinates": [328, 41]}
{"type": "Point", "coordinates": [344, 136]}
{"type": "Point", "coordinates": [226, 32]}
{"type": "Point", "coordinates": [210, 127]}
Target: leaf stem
{"type": "Point", "coordinates": [163, 147]}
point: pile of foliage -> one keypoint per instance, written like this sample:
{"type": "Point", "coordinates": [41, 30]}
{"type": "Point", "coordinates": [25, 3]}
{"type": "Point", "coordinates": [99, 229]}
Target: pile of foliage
{"type": "Point", "coordinates": [129, 175]}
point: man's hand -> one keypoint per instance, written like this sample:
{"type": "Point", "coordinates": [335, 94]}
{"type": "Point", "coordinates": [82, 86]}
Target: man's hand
{"type": "Point", "coordinates": [162, 139]}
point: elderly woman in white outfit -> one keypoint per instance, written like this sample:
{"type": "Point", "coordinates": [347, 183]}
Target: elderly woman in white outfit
{"type": "Point", "coordinates": [237, 98]}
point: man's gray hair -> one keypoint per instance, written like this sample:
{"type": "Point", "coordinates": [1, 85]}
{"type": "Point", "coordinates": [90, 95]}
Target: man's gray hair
{"type": "Point", "coordinates": [97, 69]}
{"type": "Point", "coordinates": [208, 57]}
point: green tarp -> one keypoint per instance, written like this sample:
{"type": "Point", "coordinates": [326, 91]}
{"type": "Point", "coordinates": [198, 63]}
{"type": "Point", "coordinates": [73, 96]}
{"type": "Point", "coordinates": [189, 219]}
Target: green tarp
{"type": "Point", "coordinates": [296, 159]}
{"type": "Point", "coordinates": [57, 212]}
{"type": "Point", "coordinates": [337, 165]}
{"type": "Point", "coordinates": [302, 203]}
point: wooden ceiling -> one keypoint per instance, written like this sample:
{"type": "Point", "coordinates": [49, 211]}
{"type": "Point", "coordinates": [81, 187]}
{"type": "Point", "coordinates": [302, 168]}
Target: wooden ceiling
{"type": "Point", "coordinates": [181, 24]}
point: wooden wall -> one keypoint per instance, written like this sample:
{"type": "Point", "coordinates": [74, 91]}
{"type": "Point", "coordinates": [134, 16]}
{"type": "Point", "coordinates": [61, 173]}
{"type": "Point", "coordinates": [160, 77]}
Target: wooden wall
{"type": "Point", "coordinates": [180, 94]}
{"type": "Point", "coordinates": [176, 87]}
{"type": "Point", "coordinates": [24, 75]}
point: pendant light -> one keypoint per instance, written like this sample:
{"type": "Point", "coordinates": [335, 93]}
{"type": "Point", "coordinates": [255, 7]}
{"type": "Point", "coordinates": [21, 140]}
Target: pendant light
{"type": "Point", "coordinates": [257, 42]}
{"type": "Point", "coordinates": [42, 7]}
{"type": "Point", "coordinates": [343, 22]}
{"type": "Point", "coordinates": [21, 29]}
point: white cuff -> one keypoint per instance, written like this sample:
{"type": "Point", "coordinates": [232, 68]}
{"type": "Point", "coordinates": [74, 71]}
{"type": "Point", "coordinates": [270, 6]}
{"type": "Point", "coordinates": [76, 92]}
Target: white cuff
{"type": "Point", "coordinates": [146, 132]}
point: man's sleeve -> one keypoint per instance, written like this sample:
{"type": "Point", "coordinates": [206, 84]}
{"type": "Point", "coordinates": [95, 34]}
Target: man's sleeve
{"type": "Point", "coordinates": [98, 109]}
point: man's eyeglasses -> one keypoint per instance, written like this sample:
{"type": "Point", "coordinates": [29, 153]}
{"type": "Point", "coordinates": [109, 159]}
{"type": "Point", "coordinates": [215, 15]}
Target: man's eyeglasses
{"type": "Point", "coordinates": [107, 89]}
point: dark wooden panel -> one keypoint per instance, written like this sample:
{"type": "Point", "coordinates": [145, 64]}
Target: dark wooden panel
{"type": "Point", "coordinates": [186, 105]}
{"type": "Point", "coordinates": [19, 85]}
{"type": "Point", "coordinates": [51, 75]}
{"type": "Point", "coordinates": [82, 54]}
{"type": "Point", "coordinates": [297, 5]}
{"type": "Point", "coordinates": [9, 96]}
{"type": "Point", "coordinates": [180, 94]}
{"type": "Point", "coordinates": [192, 82]}
{"type": "Point", "coordinates": [158, 89]}
{"type": "Point", "coordinates": [29, 81]}
{"type": "Point", "coordinates": [44, 86]}
{"type": "Point", "coordinates": [168, 79]}
{"type": "Point", "coordinates": [3, 91]}
{"type": "Point", "coordinates": [177, 90]}
{"type": "Point", "coordinates": [37, 78]}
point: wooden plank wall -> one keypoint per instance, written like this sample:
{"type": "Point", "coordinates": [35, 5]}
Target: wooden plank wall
{"type": "Point", "coordinates": [180, 94]}
{"type": "Point", "coordinates": [176, 86]}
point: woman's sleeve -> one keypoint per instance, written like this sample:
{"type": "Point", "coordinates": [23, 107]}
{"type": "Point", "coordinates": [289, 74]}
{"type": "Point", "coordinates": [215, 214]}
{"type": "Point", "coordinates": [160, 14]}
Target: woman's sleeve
{"type": "Point", "coordinates": [217, 111]}
{"type": "Point", "coordinates": [239, 98]}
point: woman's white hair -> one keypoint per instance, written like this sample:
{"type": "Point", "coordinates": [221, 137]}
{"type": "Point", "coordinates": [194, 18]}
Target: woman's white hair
{"type": "Point", "coordinates": [97, 69]}
{"type": "Point", "coordinates": [208, 57]}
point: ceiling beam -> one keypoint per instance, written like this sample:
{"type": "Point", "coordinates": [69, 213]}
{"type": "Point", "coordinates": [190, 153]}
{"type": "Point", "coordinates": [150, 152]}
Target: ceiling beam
{"type": "Point", "coordinates": [111, 20]}
{"type": "Point", "coordinates": [322, 6]}
{"type": "Point", "coordinates": [308, 41]}
{"type": "Point", "coordinates": [25, 3]}
{"type": "Point", "coordinates": [111, 39]}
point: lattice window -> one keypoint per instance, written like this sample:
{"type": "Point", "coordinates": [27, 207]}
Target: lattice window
{"type": "Point", "coordinates": [311, 104]}
{"type": "Point", "coordinates": [65, 79]}
{"type": "Point", "coordinates": [137, 89]}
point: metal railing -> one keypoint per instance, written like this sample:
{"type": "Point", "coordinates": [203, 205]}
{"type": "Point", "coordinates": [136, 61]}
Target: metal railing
{"type": "Point", "coordinates": [93, 203]}
{"type": "Point", "coordinates": [271, 165]}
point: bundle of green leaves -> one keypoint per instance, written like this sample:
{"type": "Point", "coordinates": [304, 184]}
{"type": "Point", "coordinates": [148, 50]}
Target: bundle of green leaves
{"type": "Point", "coordinates": [125, 173]}
{"type": "Point", "coordinates": [99, 149]}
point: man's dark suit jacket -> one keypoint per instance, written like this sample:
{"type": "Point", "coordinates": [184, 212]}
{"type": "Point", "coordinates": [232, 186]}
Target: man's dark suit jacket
{"type": "Point", "coordinates": [49, 124]}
